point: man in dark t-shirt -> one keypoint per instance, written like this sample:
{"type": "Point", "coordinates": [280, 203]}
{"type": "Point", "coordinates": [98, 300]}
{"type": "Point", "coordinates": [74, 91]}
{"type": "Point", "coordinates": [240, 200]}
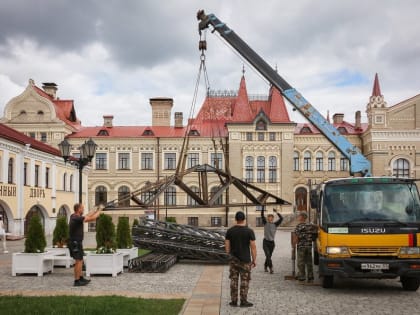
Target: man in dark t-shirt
{"type": "Point", "coordinates": [240, 245]}
{"type": "Point", "coordinates": [76, 240]}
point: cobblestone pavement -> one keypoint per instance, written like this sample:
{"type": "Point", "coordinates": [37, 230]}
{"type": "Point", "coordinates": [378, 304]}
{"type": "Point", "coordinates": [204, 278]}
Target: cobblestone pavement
{"type": "Point", "coordinates": [270, 293]}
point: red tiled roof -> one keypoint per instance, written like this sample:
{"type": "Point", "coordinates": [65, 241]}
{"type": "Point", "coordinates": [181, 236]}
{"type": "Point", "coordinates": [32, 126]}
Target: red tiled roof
{"type": "Point", "coordinates": [18, 137]}
{"type": "Point", "coordinates": [64, 109]}
{"type": "Point", "coordinates": [376, 91]}
{"type": "Point", "coordinates": [242, 110]}
{"type": "Point", "coordinates": [351, 130]}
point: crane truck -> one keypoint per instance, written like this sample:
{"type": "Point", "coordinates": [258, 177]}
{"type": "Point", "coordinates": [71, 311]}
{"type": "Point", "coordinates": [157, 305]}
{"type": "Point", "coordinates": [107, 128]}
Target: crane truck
{"type": "Point", "coordinates": [368, 227]}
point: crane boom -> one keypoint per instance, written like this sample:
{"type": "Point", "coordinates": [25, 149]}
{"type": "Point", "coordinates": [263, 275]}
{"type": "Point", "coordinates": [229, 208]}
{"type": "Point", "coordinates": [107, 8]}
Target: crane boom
{"type": "Point", "coordinates": [358, 162]}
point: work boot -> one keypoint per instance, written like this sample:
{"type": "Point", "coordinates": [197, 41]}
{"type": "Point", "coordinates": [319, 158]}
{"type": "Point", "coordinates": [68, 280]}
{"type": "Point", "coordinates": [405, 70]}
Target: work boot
{"type": "Point", "coordinates": [86, 281]}
{"type": "Point", "coordinates": [233, 303]}
{"type": "Point", "coordinates": [78, 283]}
{"type": "Point", "coordinates": [265, 269]}
{"type": "Point", "coordinates": [246, 304]}
{"type": "Point", "coordinates": [271, 270]}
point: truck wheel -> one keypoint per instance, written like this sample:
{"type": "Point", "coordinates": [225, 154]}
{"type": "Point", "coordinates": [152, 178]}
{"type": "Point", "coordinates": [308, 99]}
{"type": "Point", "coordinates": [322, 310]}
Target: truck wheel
{"type": "Point", "coordinates": [410, 284]}
{"type": "Point", "coordinates": [327, 282]}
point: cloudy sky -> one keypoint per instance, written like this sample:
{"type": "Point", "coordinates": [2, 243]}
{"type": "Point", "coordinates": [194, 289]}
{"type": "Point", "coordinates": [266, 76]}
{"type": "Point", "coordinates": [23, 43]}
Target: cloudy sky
{"type": "Point", "coordinates": [112, 56]}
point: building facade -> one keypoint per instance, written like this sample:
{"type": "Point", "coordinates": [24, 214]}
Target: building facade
{"type": "Point", "coordinates": [252, 137]}
{"type": "Point", "coordinates": [33, 180]}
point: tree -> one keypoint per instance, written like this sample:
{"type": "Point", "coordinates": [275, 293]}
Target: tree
{"type": "Point", "coordinates": [61, 232]}
{"type": "Point", "coordinates": [123, 233]}
{"type": "Point", "coordinates": [105, 235]}
{"type": "Point", "coordinates": [35, 239]}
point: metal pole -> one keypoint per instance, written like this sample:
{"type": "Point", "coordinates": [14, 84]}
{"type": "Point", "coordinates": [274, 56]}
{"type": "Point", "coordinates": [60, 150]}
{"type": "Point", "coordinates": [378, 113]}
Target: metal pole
{"type": "Point", "coordinates": [80, 180]}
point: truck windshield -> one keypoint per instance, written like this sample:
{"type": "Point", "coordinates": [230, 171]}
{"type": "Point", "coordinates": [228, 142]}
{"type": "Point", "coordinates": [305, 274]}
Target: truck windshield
{"type": "Point", "coordinates": [392, 202]}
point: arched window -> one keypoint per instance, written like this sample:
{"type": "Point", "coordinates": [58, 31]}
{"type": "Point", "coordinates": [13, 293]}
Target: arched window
{"type": "Point", "coordinates": [219, 200]}
{"type": "Point", "coordinates": [101, 195]}
{"type": "Point", "coordinates": [401, 168]}
{"type": "Point", "coordinates": [344, 164]}
{"type": "Point", "coordinates": [249, 169]}
{"type": "Point", "coordinates": [62, 212]}
{"type": "Point", "coordinates": [123, 193]}
{"type": "Point", "coordinates": [170, 196]}
{"type": "Point", "coordinates": [272, 169]}
{"type": "Point", "coordinates": [296, 161]}
{"type": "Point", "coordinates": [331, 161]}
{"type": "Point", "coordinates": [307, 161]}
{"type": "Point", "coordinates": [190, 200]}
{"type": "Point", "coordinates": [65, 182]}
{"type": "Point", "coordinates": [319, 161]}
{"type": "Point", "coordinates": [10, 171]}
{"type": "Point", "coordinates": [260, 169]}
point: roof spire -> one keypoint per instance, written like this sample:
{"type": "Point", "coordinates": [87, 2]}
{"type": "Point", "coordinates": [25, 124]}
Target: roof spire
{"type": "Point", "coordinates": [243, 69]}
{"type": "Point", "coordinates": [376, 91]}
{"type": "Point", "coordinates": [328, 115]}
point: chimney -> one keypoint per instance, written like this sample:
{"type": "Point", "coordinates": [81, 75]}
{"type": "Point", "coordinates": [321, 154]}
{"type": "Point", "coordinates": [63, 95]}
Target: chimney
{"type": "Point", "coordinates": [357, 121]}
{"type": "Point", "coordinates": [50, 88]}
{"type": "Point", "coordinates": [108, 120]}
{"type": "Point", "coordinates": [178, 120]}
{"type": "Point", "coordinates": [161, 111]}
{"type": "Point", "coordinates": [338, 118]}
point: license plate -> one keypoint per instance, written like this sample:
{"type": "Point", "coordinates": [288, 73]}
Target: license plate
{"type": "Point", "coordinates": [370, 266]}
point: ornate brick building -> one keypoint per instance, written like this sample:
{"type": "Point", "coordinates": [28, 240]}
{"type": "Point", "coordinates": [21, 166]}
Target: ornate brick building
{"type": "Point", "coordinates": [251, 136]}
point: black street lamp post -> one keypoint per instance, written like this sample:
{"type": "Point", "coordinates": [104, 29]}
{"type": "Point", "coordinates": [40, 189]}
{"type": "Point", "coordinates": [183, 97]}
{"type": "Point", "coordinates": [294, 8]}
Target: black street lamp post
{"type": "Point", "coordinates": [87, 151]}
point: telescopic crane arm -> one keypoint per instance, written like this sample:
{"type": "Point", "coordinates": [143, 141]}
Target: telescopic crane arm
{"type": "Point", "coordinates": [358, 162]}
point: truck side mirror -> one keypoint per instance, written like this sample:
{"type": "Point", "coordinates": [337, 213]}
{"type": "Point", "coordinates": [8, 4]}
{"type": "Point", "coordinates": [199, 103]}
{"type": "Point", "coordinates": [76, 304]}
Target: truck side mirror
{"type": "Point", "coordinates": [313, 197]}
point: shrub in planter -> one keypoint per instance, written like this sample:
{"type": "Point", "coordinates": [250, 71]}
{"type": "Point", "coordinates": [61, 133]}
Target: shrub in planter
{"type": "Point", "coordinates": [171, 219]}
{"type": "Point", "coordinates": [35, 239]}
{"type": "Point", "coordinates": [135, 222]}
{"type": "Point", "coordinates": [123, 233]}
{"type": "Point", "coordinates": [105, 235]}
{"type": "Point", "coordinates": [61, 233]}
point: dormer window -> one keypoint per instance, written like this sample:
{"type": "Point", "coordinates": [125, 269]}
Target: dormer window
{"type": "Point", "coordinates": [40, 112]}
{"type": "Point", "coordinates": [342, 130]}
{"type": "Point", "coordinates": [148, 132]}
{"type": "Point", "coordinates": [193, 132]}
{"type": "Point", "coordinates": [305, 130]}
{"type": "Point", "coordinates": [261, 125]}
{"type": "Point", "coordinates": [103, 132]}
{"type": "Point", "coordinates": [22, 112]}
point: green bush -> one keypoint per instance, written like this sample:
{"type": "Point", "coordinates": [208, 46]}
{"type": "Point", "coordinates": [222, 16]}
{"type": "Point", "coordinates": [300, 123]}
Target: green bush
{"type": "Point", "coordinates": [123, 233]}
{"type": "Point", "coordinates": [135, 222]}
{"type": "Point", "coordinates": [35, 238]}
{"type": "Point", "coordinates": [170, 219]}
{"type": "Point", "coordinates": [105, 235]}
{"type": "Point", "coordinates": [61, 232]}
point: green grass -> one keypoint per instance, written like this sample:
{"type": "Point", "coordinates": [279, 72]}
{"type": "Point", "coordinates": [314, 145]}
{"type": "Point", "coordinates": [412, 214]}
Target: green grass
{"type": "Point", "coordinates": [79, 305]}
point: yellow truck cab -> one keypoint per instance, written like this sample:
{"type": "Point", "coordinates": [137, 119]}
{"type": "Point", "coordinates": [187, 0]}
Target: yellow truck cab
{"type": "Point", "coordinates": [368, 227]}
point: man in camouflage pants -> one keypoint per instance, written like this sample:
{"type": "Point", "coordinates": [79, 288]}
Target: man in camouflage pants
{"type": "Point", "coordinates": [303, 237]}
{"type": "Point", "coordinates": [240, 245]}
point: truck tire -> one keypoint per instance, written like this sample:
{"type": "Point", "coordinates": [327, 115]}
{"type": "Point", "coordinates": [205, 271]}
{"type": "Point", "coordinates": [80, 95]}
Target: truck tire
{"type": "Point", "coordinates": [410, 284]}
{"type": "Point", "coordinates": [327, 282]}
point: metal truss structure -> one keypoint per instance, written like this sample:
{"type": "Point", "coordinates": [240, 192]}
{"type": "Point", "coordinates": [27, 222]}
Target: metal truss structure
{"type": "Point", "coordinates": [153, 262]}
{"type": "Point", "coordinates": [184, 241]}
{"type": "Point", "coordinates": [145, 197]}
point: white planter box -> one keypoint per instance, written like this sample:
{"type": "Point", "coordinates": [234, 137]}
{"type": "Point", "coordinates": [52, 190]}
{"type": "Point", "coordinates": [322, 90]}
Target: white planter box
{"type": "Point", "coordinates": [64, 252]}
{"type": "Point", "coordinates": [31, 263]}
{"type": "Point", "coordinates": [129, 253]}
{"type": "Point", "coordinates": [104, 264]}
